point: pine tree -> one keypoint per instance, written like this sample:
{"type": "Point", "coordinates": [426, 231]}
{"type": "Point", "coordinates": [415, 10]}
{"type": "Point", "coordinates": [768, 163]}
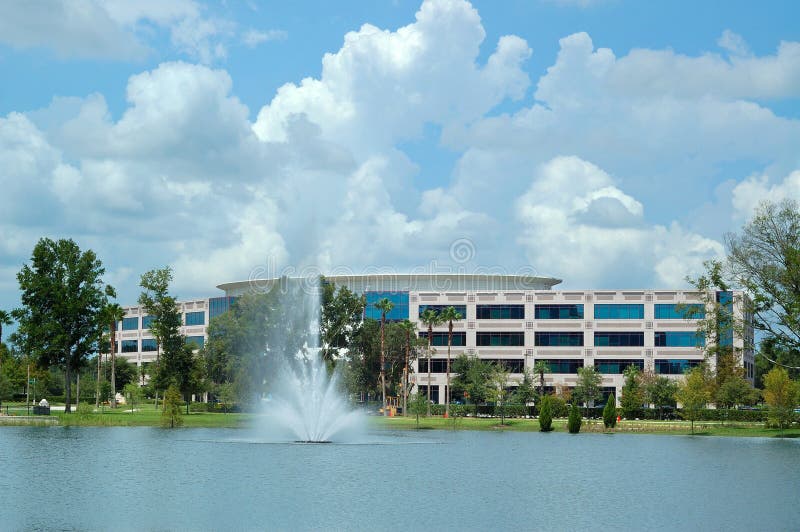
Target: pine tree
{"type": "Point", "coordinates": [545, 415]}
{"type": "Point", "coordinates": [575, 421]}
{"type": "Point", "coordinates": [610, 412]}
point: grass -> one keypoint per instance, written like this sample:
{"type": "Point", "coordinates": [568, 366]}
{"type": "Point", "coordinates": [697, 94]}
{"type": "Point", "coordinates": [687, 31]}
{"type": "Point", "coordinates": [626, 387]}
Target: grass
{"type": "Point", "coordinates": [702, 428]}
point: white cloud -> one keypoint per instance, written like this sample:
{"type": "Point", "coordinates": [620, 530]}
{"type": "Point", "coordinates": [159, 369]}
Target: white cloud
{"type": "Point", "coordinates": [253, 38]}
{"type": "Point", "coordinates": [758, 188]}
{"type": "Point", "coordinates": [733, 43]}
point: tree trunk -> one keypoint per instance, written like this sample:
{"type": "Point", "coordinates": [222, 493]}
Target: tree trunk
{"type": "Point", "coordinates": [78, 390]}
{"type": "Point", "coordinates": [113, 367]}
{"type": "Point", "coordinates": [67, 389]}
{"type": "Point", "coordinates": [97, 386]}
{"type": "Point", "coordinates": [405, 374]}
{"type": "Point", "coordinates": [430, 334]}
{"type": "Point", "coordinates": [447, 379]}
{"type": "Point", "coordinates": [383, 362]}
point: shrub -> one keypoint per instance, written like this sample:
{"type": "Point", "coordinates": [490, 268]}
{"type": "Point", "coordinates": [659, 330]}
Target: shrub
{"type": "Point", "coordinates": [171, 415]}
{"type": "Point", "coordinates": [575, 421]}
{"type": "Point", "coordinates": [610, 412]}
{"type": "Point", "coordinates": [545, 415]}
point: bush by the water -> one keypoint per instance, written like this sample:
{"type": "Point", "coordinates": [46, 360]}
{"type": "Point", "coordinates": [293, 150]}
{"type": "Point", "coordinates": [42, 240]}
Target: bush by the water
{"type": "Point", "coordinates": [574, 422]}
{"type": "Point", "coordinates": [610, 413]}
{"type": "Point", "coordinates": [545, 416]}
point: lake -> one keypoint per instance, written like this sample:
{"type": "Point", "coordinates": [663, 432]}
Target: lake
{"type": "Point", "coordinates": [85, 478]}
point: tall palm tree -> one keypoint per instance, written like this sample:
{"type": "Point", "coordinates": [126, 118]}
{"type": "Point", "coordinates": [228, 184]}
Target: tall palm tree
{"type": "Point", "coordinates": [112, 314]}
{"type": "Point", "coordinates": [541, 367]}
{"type": "Point", "coordinates": [450, 314]}
{"type": "Point", "coordinates": [385, 306]}
{"type": "Point", "coordinates": [409, 328]}
{"type": "Point", "coordinates": [430, 318]}
{"type": "Point", "coordinates": [5, 319]}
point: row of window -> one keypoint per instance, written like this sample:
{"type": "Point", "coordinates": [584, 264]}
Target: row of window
{"type": "Point", "coordinates": [150, 345]}
{"type": "Point", "coordinates": [571, 366]}
{"type": "Point", "coordinates": [602, 311]}
{"type": "Point", "coordinates": [190, 318]}
{"type": "Point", "coordinates": [570, 339]}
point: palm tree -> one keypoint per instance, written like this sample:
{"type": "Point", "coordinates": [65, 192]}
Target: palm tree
{"type": "Point", "coordinates": [385, 306]}
{"type": "Point", "coordinates": [409, 328]}
{"type": "Point", "coordinates": [430, 318]}
{"type": "Point", "coordinates": [450, 314]}
{"type": "Point", "coordinates": [541, 367]}
{"type": "Point", "coordinates": [112, 314]}
{"type": "Point", "coordinates": [5, 319]}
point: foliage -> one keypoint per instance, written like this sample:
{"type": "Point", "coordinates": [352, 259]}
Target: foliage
{"type": "Point", "coordinates": [540, 367]}
{"type": "Point", "coordinates": [171, 413]}
{"type": "Point", "coordinates": [165, 325]}
{"type": "Point", "coordinates": [472, 379]}
{"type": "Point", "coordinates": [587, 388]}
{"type": "Point", "coordinates": [62, 299]}
{"type": "Point", "coordinates": [497, 389]}
{"type": "Point", "coordinates": [545, 415]}
{"type": "Point", "coordinates": [526, 392]}
{"type": "Point", "coordinates": [574, 422]}
{"type": "Point", "coordinates": [133, 394]}
{"type": "Point", "coordinates": [430, 318]}
{"type": "Point", "coordinates": [693, 394]}
{"type": "Point", "coordinates": [610, 412]}
{"type": "Point", "coordinates": [659, 391]}
{"type": "Point", "coordinates": [340, 320]}
{"type": "Point", "coordinates": [734, 391]}
{"type": "Point", "coordinates": [632, 393]}
{"type": "Point", "coordinates": [781, 394]}
{"type": "Point", "coordinates": [449, 315]}
{"type": "Point", "coordinates": [418, 406]}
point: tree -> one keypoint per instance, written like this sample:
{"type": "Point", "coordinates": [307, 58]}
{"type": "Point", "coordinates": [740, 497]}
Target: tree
{"type": "Point", "coordinates": [780, 394]}
{"type": "Point", "coordinates": [430, 318]}
{"type": "Point", "coordinates": [419, 406]}
{"type": "Point", "coordinates": [693, 394]}
{"type": "Point", "coordinates": [587, 388]}
{"type": "Point", "coordinates": [526, 393]}
{"type": "Point", "coordinates": [658, 391]}
{"type": "Point", "coordinates": [171, 414]}
{"type": "Point", "coordinates": [112, 314]}
{"type": "Point", "coordinates": [498, 380]}
{"type": "Point", "coordinates": [632, 393]}
{"type": "Point", "coordinates": [340, 320]}
{"type": "Point", "coordinates": [736, 390]}
{"type": "Point", "coordinates": [62, 299]}
{"type": "Point", "coordinates": [472, 379]}
{"type": "Point", "coordinates": [545, 415]}
{"type": "Point", "coordinates": [409, 330]}
{"type": "Point", "coordinates": [5, 319]}
{"type": "Point", "coordinates": [541, 367]}
{"type": "Point", "coordinates": [574, 421]}
{"type": "Point", "coordinates": [385, 306]}
{"type": "Point", "coordinates": [610, 412]}
{"type": "Point", "coordinates": [133, 393]}
{"type": "Point", "coordinates": [449, 315]}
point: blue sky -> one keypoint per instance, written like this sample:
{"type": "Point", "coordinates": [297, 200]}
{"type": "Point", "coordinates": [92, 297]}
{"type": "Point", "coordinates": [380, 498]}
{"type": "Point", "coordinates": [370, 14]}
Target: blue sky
{"type": "Point", "coordinates": [608, 143]}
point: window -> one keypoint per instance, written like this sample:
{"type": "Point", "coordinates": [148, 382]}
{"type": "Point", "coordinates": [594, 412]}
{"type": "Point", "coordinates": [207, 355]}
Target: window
{"type": "Point", "coordinates": [500, 312]}
{"type": "Point", "coordinates": [398, 313]}
{"type": "Point", "coordinates": [618, 312]}
{"type": "Point", "coordinates": [725, 299]}
{"type": "Point", "coordinates": [423, 391]}
{"type": "Point", "coordinates": [461, 309]}
{"type": "Point", "coordinates": [499, 338]}
{"type": "Point", "coordinates": [147, 322]}
{"type": "Point", "coordinates": [562, 365]}
{"type": "Point", "coordinates": [130, 346]}
{"type": "Point", "coordinates": [440, 338]}
{"type": "Point", "coordinates": [149, 344]}
{"type": "Point", "coordinates": [130, 324]}
{"type": "Point", "coordinates": [196, 340]}
{"type": "Point", "coordinates": [679, 339]}
{"type": "Point", "coordinates": [219, 305]}
{"type": "Point", "coordinates": [616, 366]}
{"type": "Point", "coordinates": [618, 339]}
{"type": "Point", "coordinates": [556, 339]}
{"type": "Point", "coordinates": [196, 318]}
{"type": "Point", "coordinates": [438, 365]}
{"type": "Point", "coordinates": [675, 367]}
{"type": "Point", "coordinates": [558, 312]}
{"type": "Point", "coordinates": [679, 311]}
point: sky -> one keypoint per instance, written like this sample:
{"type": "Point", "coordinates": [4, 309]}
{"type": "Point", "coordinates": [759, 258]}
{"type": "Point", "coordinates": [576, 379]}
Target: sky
{"type": "Point", "coordinates": [608, 143]}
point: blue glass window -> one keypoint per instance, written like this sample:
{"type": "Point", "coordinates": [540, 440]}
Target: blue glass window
{"type": "Point", "coordinates": [219, 305]}
{"type": "Point", "coordinates": [558, 312]}
{"type": "Point", "coordinates": [556, 339]}
{"type": "Point", "coordinates": [621, 311]}
{"type": "Point", "coordinates": [130, 346]}
{"type": "Point", "coordinates": [679, 339]}
{"type": "Point", "coordinates": [616, 366]}
{"type": "Point", "coordinates": [500, 312]}
{"type": "Point", "coordinates": [149, 344]}
{"type": "Point", "coordinates": [725, 299]}
{"type": "Point", "coordinates": [398, 313]}
{"type": "Point", "coordinates": [461, 309]}
{"type": "Point", "coordinates": [674, 367]}
{"type": "Point", "coordinates": [130, 324]}
{"type": "Point", "coordinates": [147, 322]}
{"type": "Point", "coordinates": [197, 340]}
{"type": "Point", "coordinates": [500, 338]}
{"type": "Point", "coordinates": [440, 338]}
{"type": "Point", "coordinates": [618, 339]}
{"type": "Point", "coordinates": [196, 318]}
{"type": "Point", "coordinates": [679, 312]}
{"type": "Point", "coordinates": [562, 365]}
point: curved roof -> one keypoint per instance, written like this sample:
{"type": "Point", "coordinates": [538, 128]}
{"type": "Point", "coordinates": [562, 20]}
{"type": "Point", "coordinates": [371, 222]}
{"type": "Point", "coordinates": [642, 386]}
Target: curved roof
{"type": "Point", "coordinates": [412, 282]}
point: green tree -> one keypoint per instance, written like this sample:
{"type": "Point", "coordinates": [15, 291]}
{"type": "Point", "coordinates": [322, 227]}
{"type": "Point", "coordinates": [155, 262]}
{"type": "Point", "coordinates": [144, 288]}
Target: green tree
{"type": "Point", "coordinates": [340, 320]}
{"type": "Point", "coordinates": [5, 319]}
{"type": "Point", "coordinates": [545, 415]}
{"type": "Point", "coordinates": [658, 391]}
{"type": "Point", "coordinates": [113, 314]}
{"type": "Point", "coordinates": [62, 299]}
{"type": "Point", "coordinates": [694, 394]}
{"type": "Point", "coordinates": [780, 394]}
{"type": "Point", "coordinates": [133, 394]}
{"type": "Point", "coordinates": [472, 379]}
{"type": "Point", "coordinates": [574, 421]}
{"type": "Point", "coordinates": [171, 413]}
{"type": "Point", "coordinates": [497, 389]}
{"type": "Point", "coordinates": [526, 392]}
{"type": "Point", "coordinates": [430, 318]}
{"type": "Point", "coordinates": [632, 393]}
{"type": "Point", "coordinates": [734, 391]}
{"type": "Point", "coordinates": [409, 331]}
{"type": "Point", "coordinates": [418, 406]}
{"type": "Point", "coordinates": [587, 388]}
{"type": "Point", "coordinates": [449, 315]}
{"type": "Point", "coordinates": [610, 412]}
{"type": "Point", "coordinates": [541, 367]}
{"type": "Point", "coordinates": [385, 306]}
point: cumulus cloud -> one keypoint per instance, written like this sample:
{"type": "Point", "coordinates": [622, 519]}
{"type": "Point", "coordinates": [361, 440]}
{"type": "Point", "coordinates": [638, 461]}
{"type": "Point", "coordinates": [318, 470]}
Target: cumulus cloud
{"type": "Point", "coordinates": [755, 189]}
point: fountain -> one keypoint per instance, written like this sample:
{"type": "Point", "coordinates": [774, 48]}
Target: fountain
{"type": "Point", "coordinates": [307, 404]}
